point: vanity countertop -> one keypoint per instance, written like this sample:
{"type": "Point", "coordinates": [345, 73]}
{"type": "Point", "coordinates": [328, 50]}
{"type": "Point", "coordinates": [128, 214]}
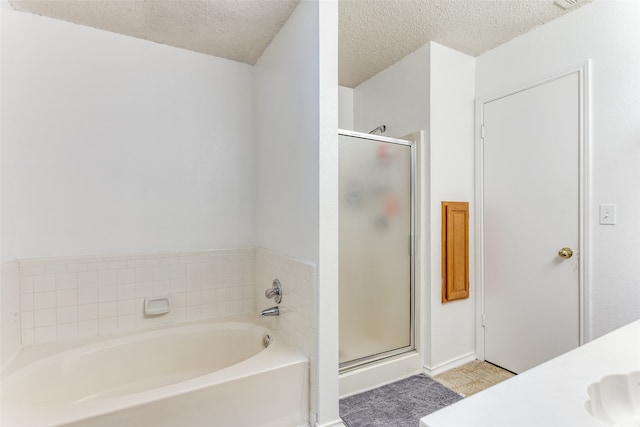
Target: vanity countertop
{"type": "Point", "coordinates": [550, 395]}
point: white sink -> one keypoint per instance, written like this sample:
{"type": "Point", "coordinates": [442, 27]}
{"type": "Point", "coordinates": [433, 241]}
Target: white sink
{"type": "Point", "coordinates": [615, 400]}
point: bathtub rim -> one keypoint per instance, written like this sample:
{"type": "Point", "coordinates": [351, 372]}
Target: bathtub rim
{"type": "Point", "coordinates": [30, 354]}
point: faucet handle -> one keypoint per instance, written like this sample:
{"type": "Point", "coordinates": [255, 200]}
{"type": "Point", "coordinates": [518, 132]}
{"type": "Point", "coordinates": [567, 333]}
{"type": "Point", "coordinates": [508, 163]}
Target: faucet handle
{"type": "Point", "coordinates": [275, 291]}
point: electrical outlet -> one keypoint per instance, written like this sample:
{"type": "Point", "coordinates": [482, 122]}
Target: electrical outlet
{"type": "Point", "coordinates": [608, 214]}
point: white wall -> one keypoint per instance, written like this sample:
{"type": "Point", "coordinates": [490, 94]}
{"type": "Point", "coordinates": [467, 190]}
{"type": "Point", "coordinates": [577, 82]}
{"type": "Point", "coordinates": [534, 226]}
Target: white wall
{"type": "Point", "coordinates": [451, 112]}
{"type": "Point", "coordinates": [327, 297]}
{"type": "Point", "coordinates": [8, 250]}
{"type": "Point", "coordinates": [397, 97]}
{"type": "Point", "coordinates": [286, 129]}
{"type": "Point", "coordinates": [120, 145]}
{"type": "Point", "coordinates": [608, 33]}
{"type": "Point", "coordinates": [296, 118]}
{"type": "Point", "coordinates": [345, 108]}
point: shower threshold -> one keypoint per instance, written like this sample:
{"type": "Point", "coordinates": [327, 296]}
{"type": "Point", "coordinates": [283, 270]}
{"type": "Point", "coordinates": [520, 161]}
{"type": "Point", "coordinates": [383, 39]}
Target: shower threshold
{"type": "Point", "coordinates": [372, 373]}
{"type": "Point", "coordinates": [372, 359]}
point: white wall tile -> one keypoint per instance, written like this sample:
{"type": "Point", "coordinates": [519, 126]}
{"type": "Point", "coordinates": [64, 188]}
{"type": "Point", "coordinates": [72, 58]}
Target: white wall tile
{"type": "Point", "coordinates": [209, 296]}
{"type": "Point", "coordinates": [87, 295]}
{"type": "Point", "coordinates": [44, 283]}
{"type": "Point", "coordinates": [87, 279]}
{"type": "Point", "coordinates": [194, 312]}
{"type": "Point", "coordinates": [107, 278]}
{"type": "Point", "coordinates": [87, 328]}
{"type": "Point", "coordinates": [161, 288]}
{"type": "Point", "coordinates": [194, 283]}
{"type": "Point", "coordinates": [31, 268]}
{"type": "Point", "coordinates": [116, 265]}
{"type": "Point", "coordinates": [45, 317]}
{"type": "Point", "coordinates": [55, 267]}
{"type": "Point", "coordinates": [87, 312]}
{"type": "Point", "coordinates": [126, 276]}
{"type": "Point", "coordinates": [76, 267]}
{"type": "Point", "coordinates": [45, 334]}
{"type": "Point", "coordinates": [26, 319]}
{"type": "Point", "coordinates": [126, 307]}
{"type": "Point", "coordinates": [66, 281]}
{"type": "Point", "coordinates": [126, 292]}
{"type": "Point", "coordinates": [82, 293]}
{"type": "Point", "coordinates": [27, 336]}
{"type": "Point", "coordinates": [97, 265]}
{"type": "Point", "coordinates": [178, 300]}
{"type": "Point", "coordinates": [126, 323]}
{"type": "Point", "coordinates": [177, 285]}
{"type": "Point", "coordinates": [107, 309]}
{"type": "Point", "coordinates": [67, 331]}
{"type": "Point", "coordinates": [162, 272]}
{"type": "Point", "coordinates": [67, 315]}
{"type": "Point", "coordinates": [107, 293]}
{"type": "Point", "coordinates": [144, 274]}
{"type": "Point", "coordinates": [179, 314]}
{"type": "Point", "coordinates": [297, 321]}
{"type": "Point", "coordinates": [194, 298]}
{"type": "Point", "coordinates": [26, 302]}
{"type": "Point", "coordinates": [107, 326]}
{"type": "Point", "coordinates": [177, 271]}
{"type": "Point", "coordinates": [67, 297]}
{"type": "Point", "coordinates": [10, 320]}
{"type": "Point", "coordinates": [42, 300]}
{"type": "Point", "coordinates": [144, 290]}
{"type": "Point", "coordinates": [26, 284]}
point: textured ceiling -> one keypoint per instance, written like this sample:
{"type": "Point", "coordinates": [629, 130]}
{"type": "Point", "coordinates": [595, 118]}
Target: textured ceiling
{"type": "Point", "coordinates": [234, 29]}
{"type": "Point", "coordinates": [374, 34]}
{"type": "Point", "coordinates": [377, 33]}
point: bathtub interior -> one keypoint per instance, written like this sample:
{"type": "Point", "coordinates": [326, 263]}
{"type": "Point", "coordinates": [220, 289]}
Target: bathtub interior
{"type": "Point", "coordinates": [130, 365]}
{"type": "Point", "coordinates": [143, 376]}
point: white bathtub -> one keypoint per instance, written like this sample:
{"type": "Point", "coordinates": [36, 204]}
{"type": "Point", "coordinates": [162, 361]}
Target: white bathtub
{"type": "Point", "coordinates": [211, 374]}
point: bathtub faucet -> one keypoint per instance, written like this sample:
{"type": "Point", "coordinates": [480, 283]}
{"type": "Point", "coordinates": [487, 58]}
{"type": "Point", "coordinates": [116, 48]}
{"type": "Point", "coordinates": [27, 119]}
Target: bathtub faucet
{"type": "Point", "coordinates": [272, 311]}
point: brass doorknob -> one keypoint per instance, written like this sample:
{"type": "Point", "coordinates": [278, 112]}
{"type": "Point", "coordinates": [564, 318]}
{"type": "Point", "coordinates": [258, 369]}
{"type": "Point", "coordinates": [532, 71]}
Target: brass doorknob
{"type": "Point", "coordinates": [565, 253]}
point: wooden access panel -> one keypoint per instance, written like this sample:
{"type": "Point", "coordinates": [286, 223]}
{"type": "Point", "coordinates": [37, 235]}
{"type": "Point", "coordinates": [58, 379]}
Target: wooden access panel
{"type": "Point", "coordinates": [455, 251]}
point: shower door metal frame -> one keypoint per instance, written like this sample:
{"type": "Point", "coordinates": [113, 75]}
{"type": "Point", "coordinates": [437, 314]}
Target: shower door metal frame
{"type": "Point", "coordinates": [357, 363]}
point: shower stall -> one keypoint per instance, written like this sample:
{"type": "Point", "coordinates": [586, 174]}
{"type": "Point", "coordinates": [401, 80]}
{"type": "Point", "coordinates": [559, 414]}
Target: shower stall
{"type": "Point", "coordinates": [376, 242]}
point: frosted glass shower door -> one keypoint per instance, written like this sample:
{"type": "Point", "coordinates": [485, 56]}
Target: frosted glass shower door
{"type": "Point", "coordinates": [375, 229]}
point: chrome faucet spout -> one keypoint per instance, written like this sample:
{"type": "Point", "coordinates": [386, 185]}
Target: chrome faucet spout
{"type": "Point", "coordinates": [271, 311]}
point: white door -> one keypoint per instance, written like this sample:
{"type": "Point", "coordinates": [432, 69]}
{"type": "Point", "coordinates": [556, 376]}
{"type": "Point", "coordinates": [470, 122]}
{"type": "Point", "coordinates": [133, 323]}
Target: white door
{"type": "Point", "coordinates": [531, 211]}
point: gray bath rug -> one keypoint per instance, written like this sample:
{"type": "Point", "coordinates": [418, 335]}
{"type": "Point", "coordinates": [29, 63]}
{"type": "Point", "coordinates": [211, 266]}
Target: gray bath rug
{"type": "Point", "coordinates": [399, 404]}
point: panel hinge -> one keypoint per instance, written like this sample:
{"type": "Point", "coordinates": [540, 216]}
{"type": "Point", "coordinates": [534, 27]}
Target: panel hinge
{"type": "Point", "coordinates": [483, 320]}
{"type": "Point", "coordinates": [482, 131]}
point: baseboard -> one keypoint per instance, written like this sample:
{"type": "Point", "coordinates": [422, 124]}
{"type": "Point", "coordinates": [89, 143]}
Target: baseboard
{"type": "Point", "coordinates": [335, 423]}
{"type": "Point", "coordinates": [450, 364]}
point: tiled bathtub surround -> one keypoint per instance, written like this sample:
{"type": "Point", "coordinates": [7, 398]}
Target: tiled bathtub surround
{"type": "Point", "coordinates": [9, 314]}
{"type": "Point", "coordinates": [70, 298]}
{"type": "Point", "coordinates": [296, 322]}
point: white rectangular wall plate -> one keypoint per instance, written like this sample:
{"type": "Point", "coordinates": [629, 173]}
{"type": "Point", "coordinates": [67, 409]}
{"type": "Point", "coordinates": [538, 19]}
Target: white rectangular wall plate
{"type": "Point", "coordinates": [156, 306]}
{"type": "Point", "coordinates": [607, 214]}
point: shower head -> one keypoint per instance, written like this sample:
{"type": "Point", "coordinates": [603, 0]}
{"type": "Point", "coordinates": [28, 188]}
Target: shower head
{"type": "Point", "coordinates": [379, 129]}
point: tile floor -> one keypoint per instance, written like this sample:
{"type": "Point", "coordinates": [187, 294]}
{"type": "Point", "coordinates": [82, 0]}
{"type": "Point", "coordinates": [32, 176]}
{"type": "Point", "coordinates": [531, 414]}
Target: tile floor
{"type": "Point", "coordinates": [473, 377]}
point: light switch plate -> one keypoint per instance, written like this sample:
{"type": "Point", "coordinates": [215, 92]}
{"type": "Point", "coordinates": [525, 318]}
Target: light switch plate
{"type": "Point", "coordinates": [607, 214]}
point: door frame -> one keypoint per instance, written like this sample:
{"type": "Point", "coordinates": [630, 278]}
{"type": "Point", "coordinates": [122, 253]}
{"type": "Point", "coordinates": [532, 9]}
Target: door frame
{"type": "Point", "coordinates": [584, 210]}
